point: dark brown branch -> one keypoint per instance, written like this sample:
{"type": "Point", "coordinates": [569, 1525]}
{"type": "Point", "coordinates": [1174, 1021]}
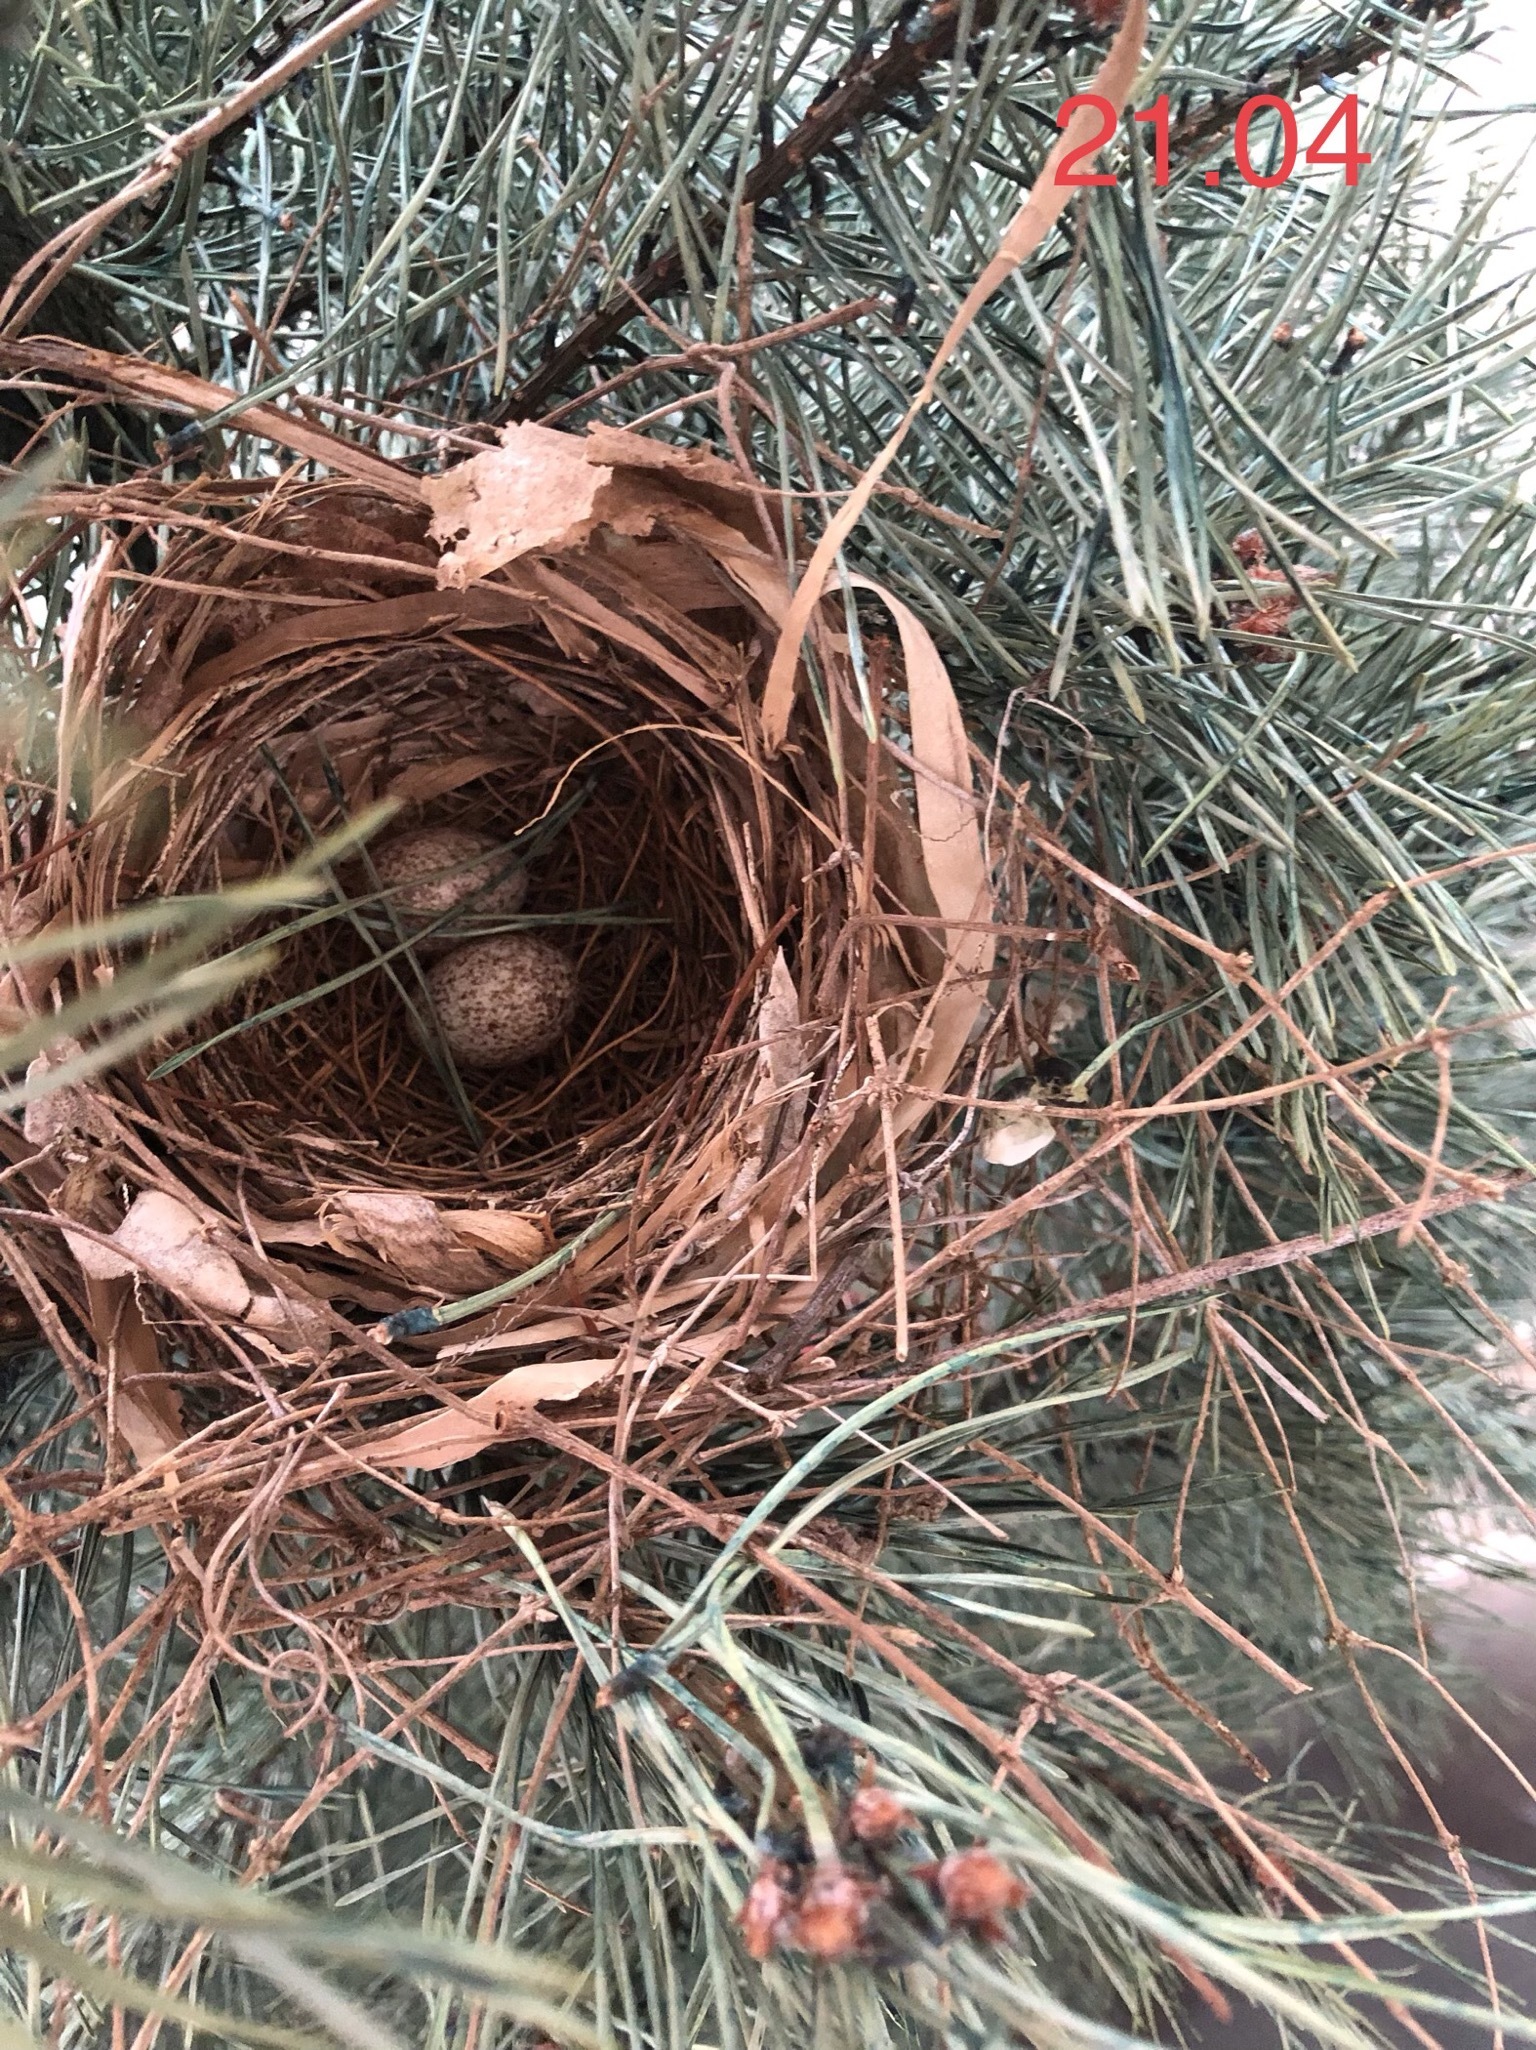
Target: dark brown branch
{"type": "Point", "coordinates": [863, 91]}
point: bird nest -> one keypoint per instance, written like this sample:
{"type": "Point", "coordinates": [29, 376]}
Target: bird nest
{"type": "Point", "coordinates": [779, 956]}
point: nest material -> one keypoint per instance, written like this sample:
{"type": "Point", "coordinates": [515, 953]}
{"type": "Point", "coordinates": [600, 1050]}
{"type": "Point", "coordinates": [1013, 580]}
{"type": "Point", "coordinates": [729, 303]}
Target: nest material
{"type": "Point", "coordinates": [780, 959]}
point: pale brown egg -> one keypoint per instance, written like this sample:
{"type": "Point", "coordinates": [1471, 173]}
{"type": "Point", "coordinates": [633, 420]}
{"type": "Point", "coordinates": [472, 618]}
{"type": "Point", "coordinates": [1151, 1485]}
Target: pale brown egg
{"type": "Point", "coordinates": [503, 1000]}
{"type": "Point", "coordinates": [433, 871]}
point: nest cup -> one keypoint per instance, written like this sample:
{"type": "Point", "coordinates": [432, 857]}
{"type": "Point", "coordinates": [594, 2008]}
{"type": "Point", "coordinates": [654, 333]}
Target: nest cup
{"type": "Point", "coordinates": [314, 1076]}
{"type": "Point", "coordinates": [561, 644]}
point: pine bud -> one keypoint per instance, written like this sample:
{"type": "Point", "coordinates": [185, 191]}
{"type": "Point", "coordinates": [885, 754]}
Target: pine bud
{"type": "Point", "coordinates": [764, 1912]}
{"type": "Point", "coordinates": [833, 1914]}
{"type": "Point", "coordinates": [875, 1815]}
{"type": "Point", "coordinates": [977, 1888]}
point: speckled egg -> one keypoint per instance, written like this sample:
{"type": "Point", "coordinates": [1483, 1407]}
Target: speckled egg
{"type": "Point", "coordinates": [503, 1000]}
{"type": "Point", "coordinates": [433, 871]}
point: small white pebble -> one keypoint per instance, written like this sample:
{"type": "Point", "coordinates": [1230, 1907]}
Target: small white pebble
{"type": "Point", "coordinates": [1014, 1139]}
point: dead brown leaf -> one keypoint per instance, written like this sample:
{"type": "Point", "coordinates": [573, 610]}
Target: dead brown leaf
{"type": "Point", "coordinates": [164, 1239]}
{"type": "Point", "coordinates": [515, 1240]}
{"type": "Point", "coordinates": [142, 1403]}
{"type": "Point", "coordinates": [408, 1234]}
{"type": "Point", "coordinates": [538, 490]}
{"type": "Point", "coordinates": [1024, 234]}
{"type": "Point", "coordinates": [426, 780]}
{"type": "Point", "coordinates": [623, 449]}
{"type": "Point", "coordinates": [442, 1440]}
{"type": "Point", "coordinates": [954, 859]}
{"type": "Point", "coordinates": [321, 625]}
{"type": "Point", "coordinates": [297, 1326]}
{"type": "Point", "coordinates": [71, 1113]}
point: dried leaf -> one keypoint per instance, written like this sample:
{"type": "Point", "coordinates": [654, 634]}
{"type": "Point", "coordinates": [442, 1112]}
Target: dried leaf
{"type": "Point", "coordinates": [426, 780]}
{"type": "Point", "coordinates": [166, 1240]}
{"type": "Point", "coordinates": [537, 491]}
{"type": "Point", "coordinates": [677, 575]}
{"type": "Point", "coordinates": [780, 1062]}
{"type": "Point", "coordinates": [408, 1234]}
{"type": "Point", "coordinates": [449, 1436]}
{"type": "Point", "coordinates": [71, 1113]}
{"type": "Point", "coordinates": [1024, 234]}
{"type": "Point", "coordinates": [606, 575]}
{"type": "Point", "coordinates": [947, 809]}
{"type": "Point", "coordinates": [97, 1261]}
{"type": "Point", "coordinates": [301, 1231]}
{"type": "Point", "coordinates": [323, 626]}
{"type": "Point", "coordinates": [296, 1325]}
{"type": "Point", "coordinates": [622, 448]}
{"type": "Point", "coordinates": [515, 1240]}
{"type": "Point", "coordinates": [143, 1406]}
{"type": "Point", "coordinates": [778, 1024]}
{"type": "Point", "coordinates": [954, 859]}
{"type": "Point", "coordinates": [560, 595]}
{"type": "Point", "coordinates": [756, 575]}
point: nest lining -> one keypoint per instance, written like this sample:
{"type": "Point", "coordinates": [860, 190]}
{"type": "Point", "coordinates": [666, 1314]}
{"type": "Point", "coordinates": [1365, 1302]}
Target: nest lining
{"type": "Point", "coordinates": [336, 1088]}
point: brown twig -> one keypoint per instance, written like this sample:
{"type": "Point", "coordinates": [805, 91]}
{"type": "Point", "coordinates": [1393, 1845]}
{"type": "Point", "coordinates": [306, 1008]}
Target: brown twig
{"type": "Point", "coordinates": [710, 356]}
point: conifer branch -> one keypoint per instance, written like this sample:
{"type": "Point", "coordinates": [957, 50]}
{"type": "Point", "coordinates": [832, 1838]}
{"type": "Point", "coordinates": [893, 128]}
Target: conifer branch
{"type": "Point", "coordinates": [867, 85]}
